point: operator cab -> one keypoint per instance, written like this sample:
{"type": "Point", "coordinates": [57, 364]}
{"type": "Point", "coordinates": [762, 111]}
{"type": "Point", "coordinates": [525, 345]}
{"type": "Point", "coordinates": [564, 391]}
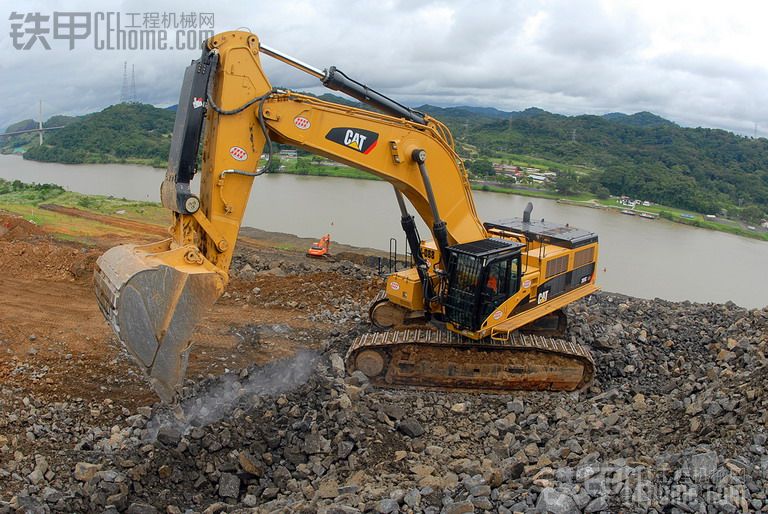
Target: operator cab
{"type": "Point", "coordinates": [481, 276]}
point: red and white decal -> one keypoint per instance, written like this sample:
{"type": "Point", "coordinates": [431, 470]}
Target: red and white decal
{"type": "Point", "coordinates": [497, 315]}
{"type": "Point", "coordinates": [395, 286]}
{"type": "Point", "coordinates": [301, 122]}
{"type": "Point", "coordinates": [197, 102]}
{"type": "Point", "coordinates": [238, 153]}
{"type": "Point", "coordinates": [527, 284]}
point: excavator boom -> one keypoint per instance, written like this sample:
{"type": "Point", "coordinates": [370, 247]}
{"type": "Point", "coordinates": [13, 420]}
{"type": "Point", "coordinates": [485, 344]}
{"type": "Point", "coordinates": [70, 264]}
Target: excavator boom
{"type": "Point", "coordinates": [153, 295]}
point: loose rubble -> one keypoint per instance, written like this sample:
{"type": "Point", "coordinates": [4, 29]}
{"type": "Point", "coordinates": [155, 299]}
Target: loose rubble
{"type": "Point", "coordinates": [674, 422]}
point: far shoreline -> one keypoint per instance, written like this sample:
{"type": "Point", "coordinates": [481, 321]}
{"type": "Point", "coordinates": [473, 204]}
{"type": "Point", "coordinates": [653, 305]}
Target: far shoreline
{"type": "Point", "coordinates": [588, 200]}
{"type": "Point", "coordinates": [667, 213]}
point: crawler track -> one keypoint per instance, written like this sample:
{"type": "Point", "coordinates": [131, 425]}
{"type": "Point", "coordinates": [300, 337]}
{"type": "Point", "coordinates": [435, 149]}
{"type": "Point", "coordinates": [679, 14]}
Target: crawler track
{"type": "Point", "coordinates": [440, 359]}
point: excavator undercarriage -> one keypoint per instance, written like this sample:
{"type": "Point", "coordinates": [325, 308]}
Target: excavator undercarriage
{"type": "Point", "coordinates": [438, 359]}
{"type": "Point", "coordinates": [408, 352]}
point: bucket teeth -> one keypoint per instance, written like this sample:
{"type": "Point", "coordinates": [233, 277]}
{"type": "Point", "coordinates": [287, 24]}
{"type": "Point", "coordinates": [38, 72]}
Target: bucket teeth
{"type": "Point", "coordinates": [153, 310]}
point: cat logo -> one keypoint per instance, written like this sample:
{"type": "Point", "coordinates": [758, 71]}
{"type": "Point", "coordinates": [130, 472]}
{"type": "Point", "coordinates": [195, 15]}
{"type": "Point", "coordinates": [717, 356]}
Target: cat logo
{"type": "Point", "coordinates": [363, 141]}
{"type": "Point", "coordinates": [354, 139]}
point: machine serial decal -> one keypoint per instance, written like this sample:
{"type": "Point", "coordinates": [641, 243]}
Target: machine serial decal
{"type": "Point", "coordinates": [238, 153]}
{"type": "Point", "coordinates": [357, 139]}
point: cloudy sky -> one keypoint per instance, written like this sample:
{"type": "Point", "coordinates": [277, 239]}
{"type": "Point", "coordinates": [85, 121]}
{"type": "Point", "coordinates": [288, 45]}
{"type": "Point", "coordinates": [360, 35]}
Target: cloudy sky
{"type": "Point", "coordinates": [697, 63]}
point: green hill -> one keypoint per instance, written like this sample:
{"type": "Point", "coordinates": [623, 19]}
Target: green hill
{"type": "Point", "coordinates": [22, 125]}
{"type": "Point", "coordinates": [639, 119]}
{"type": "Point", "coordinates": [137, 133]}
{"type": "Point", "coordinates": [22, 142]}
{"type": "Point", "coordinates": [60, 121]}
{"type": "Point", "coordinates": [19, 142]}
{"type": "Point", "coordinates": [641, 155]}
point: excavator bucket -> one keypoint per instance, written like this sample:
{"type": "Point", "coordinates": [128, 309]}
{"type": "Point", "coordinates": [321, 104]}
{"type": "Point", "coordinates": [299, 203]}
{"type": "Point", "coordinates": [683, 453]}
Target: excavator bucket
{"type": "Point", "coordinates": [153, 302]}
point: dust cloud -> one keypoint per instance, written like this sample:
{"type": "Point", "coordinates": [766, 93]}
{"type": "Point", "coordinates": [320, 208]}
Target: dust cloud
{"type": "Point", "coordinates": [219, 397]}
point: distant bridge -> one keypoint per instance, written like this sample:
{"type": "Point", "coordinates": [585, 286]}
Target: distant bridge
{"type": "Point", "coordinates": [39, 130]}
{"type": "Point", "coordinates": [17, 132]}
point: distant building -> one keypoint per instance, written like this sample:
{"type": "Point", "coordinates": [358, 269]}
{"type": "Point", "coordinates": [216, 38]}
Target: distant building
{"type": "Point", "coordinates": [505, 168]}
{"type": "Point", "coordinates": [288, 154]}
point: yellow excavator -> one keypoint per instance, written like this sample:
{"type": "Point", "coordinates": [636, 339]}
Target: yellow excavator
{"type": "Point", "coordinates": [481, 309]}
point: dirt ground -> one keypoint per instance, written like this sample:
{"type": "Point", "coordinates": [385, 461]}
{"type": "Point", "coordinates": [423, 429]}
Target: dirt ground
{"type": "Point", "coordinates": [54, 340]}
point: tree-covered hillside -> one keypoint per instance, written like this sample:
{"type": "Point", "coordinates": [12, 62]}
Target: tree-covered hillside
{"type": "Point", "coordinates": [120, 133]}
{"type": "Point", "coordinates": [642, 155]}
{"type": "Point", "coordinates": [22, 142]}
{"type": "Point", "coordinates": [21, 125]}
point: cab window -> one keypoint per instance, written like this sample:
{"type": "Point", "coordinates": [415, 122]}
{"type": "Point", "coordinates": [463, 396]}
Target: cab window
{"type": "Point", "coordinates": [501, 282]}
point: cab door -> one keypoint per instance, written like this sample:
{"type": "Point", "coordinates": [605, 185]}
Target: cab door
{"type": "Point", "coordinates": [501, 281]}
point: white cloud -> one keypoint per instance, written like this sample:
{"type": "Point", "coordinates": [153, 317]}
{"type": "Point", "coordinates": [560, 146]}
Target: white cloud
{"type": "Point", "coordinates": [697, 63]}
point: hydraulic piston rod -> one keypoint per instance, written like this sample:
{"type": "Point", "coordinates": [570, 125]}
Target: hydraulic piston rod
{"type": "Point", "coordinates": [335, 79]}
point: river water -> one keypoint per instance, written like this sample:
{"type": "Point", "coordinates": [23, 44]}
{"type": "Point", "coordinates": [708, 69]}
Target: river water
{"type": "Point", "coordinates": [638, 257]}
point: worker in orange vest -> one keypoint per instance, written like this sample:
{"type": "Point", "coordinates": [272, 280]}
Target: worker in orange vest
{"type": "Point", "coordinates": [492, 284]}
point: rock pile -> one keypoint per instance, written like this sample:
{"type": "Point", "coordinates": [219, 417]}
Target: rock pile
{"type": "Point", "coordinates": [674, 422]}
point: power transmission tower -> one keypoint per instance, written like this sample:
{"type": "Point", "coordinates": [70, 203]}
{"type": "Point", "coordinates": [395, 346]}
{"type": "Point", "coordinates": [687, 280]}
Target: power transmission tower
{"type": "Point", "coordinates": [133, 84]}
{"type": "Point", "coordinates": [573, 136]}
{"type": "Point", "coordinates": [124, 91]}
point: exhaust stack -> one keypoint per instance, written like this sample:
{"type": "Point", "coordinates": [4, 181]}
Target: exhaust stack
{"type": "Point", "coordinates": [527, 213]}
